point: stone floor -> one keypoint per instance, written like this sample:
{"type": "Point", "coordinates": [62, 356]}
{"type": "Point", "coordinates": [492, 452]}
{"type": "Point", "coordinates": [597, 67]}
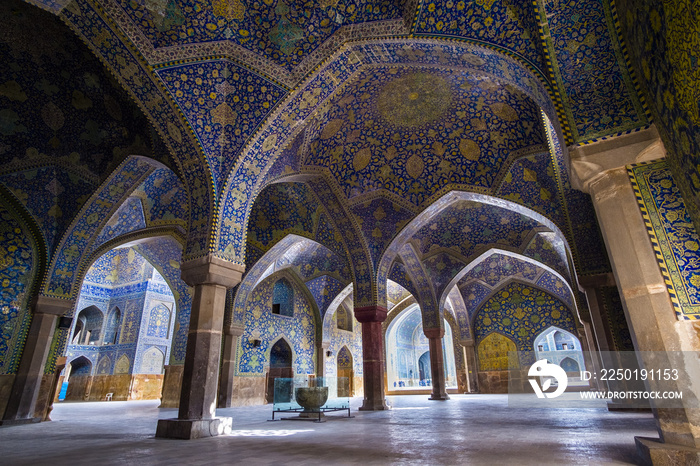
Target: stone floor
{"type": "Point", "coordinates": [468, 429]}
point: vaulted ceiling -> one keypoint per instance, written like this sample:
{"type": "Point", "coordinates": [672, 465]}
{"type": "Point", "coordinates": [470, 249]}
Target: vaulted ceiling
{"type": "Point", "coordinates": [342, 122]}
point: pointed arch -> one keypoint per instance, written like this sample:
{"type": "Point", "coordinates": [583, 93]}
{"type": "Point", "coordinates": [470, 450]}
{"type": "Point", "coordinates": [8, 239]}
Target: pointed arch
{"type": "Point", "coordinates": [494, 251]}
{"type": "Point", "coordinates": [432, 315]}
{"type": "Point", "coordinates": [158, 325]}
{"type": "Point", "coordinates": [80, 366]}
{"type": "Point", "coordinates": [152, 361]}
{"type": "Point", "coordinates": [328, 316]}
{"type": "Point", "coordinates": [343, 318]}
{"type": "Point", "coordinates": [434, 209]}
{"type": "Point", "coordinates": [290, 117]}
{"type": "Point", "coordinates": [71, 258]}
{"type": "Point", "coordinates": [123, 365]}
{"type": "Point", "coordinates": [104, 366]}
{"type": "Point", "coordinates": [88, 326]}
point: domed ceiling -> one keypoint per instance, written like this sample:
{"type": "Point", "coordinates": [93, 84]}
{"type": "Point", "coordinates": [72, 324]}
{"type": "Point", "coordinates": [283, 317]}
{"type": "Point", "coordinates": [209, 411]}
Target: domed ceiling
{"type": "Point", "coordinates": [412, 131]}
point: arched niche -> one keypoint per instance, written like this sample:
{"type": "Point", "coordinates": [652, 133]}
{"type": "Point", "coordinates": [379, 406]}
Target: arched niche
{"type": "Point", "coordinates": [345, 373]}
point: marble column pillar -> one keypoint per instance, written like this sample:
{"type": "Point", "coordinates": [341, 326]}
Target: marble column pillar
{"type": "Point", "coordinates": [321, 359]}
{"type": "Point", "coordinates": [371, 318]}
{"type": "Point", "coordinates": [591, 355]}
{"type": "Point", "coordinates": [210, 277]}
{"type": "Point", "coordinates": [60, 365]}
{"type": "Point", "coordinates": [646, 301]}
{"type": "Point", "coordinates": [437, 363]}
{"type": "Point", "coordinates": [21, 406]}
{"type": "Point", "coordinates": [600, 330]}
{"type": "Point", "coordinates": [228, 365]}
{"type": "Point", "coordinates": [470, 361]}
{"type": "Point", "coordinates": [599, 169]}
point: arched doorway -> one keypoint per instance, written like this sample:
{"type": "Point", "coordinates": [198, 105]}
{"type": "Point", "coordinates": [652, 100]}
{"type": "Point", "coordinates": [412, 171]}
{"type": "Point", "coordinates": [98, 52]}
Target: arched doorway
{"type": "Point", "coordinates": [280, 367]}
{"type": "Point", "coordinates": [345, 373]}
{"type": "Point", "coordinates": [561, 347]}
{"type": "Point", "coordinates": [79, 380]}
{"type": "Point", "coordinates": [408, 355]}
{"type": "Point", "coordinates": [125, 325]}
{"type": "Point", "coordinates": [424, 369]}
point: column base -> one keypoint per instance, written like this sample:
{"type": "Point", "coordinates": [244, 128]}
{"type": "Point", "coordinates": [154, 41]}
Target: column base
{"type": "Point", "coordinates": [442, 397]}
{"type": "Point", "coordinates": [19, 422]}
{"type": "Point", "coordinates": [187, 429]}
{"type": "Point", "coordinates": [654, 451]}
{"type": "Point", "coordinates": [367, 406]}
{"type": "Point", "coordinates": [625, 407]}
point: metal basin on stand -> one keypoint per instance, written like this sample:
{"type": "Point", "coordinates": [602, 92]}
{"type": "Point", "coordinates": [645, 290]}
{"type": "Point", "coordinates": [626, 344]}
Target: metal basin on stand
{"type": "Point", "coordinates": [311, 399]}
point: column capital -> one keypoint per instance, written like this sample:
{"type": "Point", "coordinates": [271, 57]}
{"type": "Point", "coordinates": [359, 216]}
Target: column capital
{"type": "Point", "coordinates": [591, 161]}
{"type": "Point", "coordinates": [211, 270]}
{"type": "Point", "coordinates": [53, 306]}
{"type": "Point", "coordinates": [467, 342]}
{"type": "Point", "coordinates": [235, 330]}
{"type": "Point", "coordinates": [434, 332]}
{"type": "Point", "coordinates": [370, 314]}
{"type": "Point", "coordinates": [597, 281]}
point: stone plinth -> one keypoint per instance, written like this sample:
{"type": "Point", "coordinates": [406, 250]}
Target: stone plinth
{"type": "Point", "coordinates": [652, 451]}
{"type": "Point", "coordinates": [187, 429]}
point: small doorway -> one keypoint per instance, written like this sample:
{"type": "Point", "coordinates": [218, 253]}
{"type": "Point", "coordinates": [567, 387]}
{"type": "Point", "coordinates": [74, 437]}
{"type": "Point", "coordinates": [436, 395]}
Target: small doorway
{"type": "Point", "coordinates": [280, 367]}
{"type": "Point", "coordinates": [345, 373]}
{"type": "Point", "coordinates": [424, 369]}
{"type": "Point", "coordinates": [79, 379]}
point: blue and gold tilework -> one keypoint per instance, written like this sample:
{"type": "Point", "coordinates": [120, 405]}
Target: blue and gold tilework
{"type": "Point", "coordinates": [521, 312]}
{"type": "Point", "coordinates": [662, 42]}
{"type": "Point", "coordinates": [17, 260]}
{"type": "Point", "coordinates": [512, 25]}
{"type": "Point", "coordinates": [224, 103]}
{"type": "Point", "coordinates": [260, 323]}
{"type": "Point", "coordinates": [379, 134]}
{"type": "Point", "coordinates": [588, 64]}
{"type": "Point", "coordinates": [282, 31]}
{"type": "Point", "coordinates": [672, 234]}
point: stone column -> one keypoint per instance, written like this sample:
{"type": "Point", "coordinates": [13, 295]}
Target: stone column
{"type": "Point", "coordinates": [21, 406]}
{"type": "Point", "coordinates": [602, 333]}
{"type": "Point", "coordinates": [437, 363]}
{"type": "Point", "coordinates": [646, 302]}
{"type": "Point", "coordinates": [470, 361]}
{"type": "Point", "coordinates": [210, 277]}
{"type": "Point", "coordinates": [60, 365]}
{"type": "Point", "coordinates": [591, 355]}
{"type": "Point", "coordinates": [228, 365]}
{"type": "Point", "coordinates": [371, 318]}
{"type": "Point", "coordinates": [321, 358]}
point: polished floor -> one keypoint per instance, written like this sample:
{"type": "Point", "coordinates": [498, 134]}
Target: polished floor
{"type": "Point", "coordinates": [468, 429]}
